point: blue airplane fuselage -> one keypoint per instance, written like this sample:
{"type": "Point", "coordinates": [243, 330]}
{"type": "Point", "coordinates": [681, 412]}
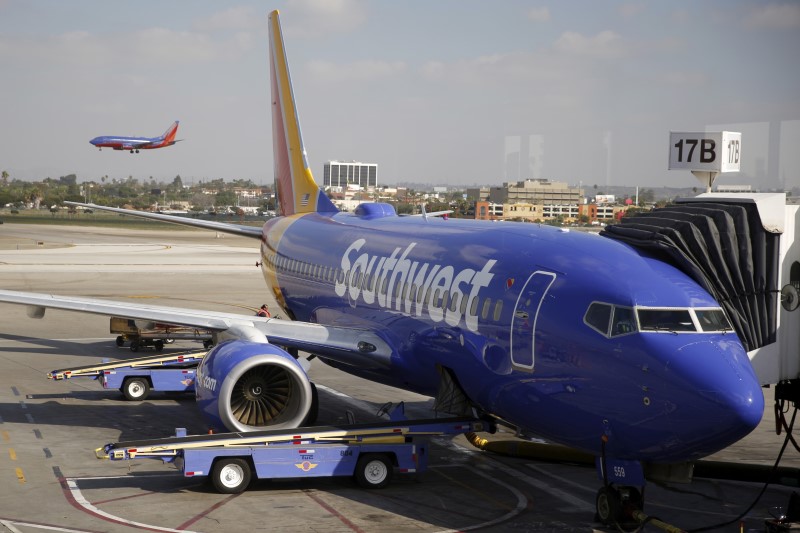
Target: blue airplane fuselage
{"type": "Point", "coordinates": [507, 315]}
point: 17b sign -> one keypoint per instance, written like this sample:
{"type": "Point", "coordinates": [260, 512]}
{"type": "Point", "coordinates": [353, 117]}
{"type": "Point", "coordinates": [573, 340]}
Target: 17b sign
{"type": "Point", "coordinates": [711, 151]}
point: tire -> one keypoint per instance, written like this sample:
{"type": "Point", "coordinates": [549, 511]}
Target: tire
{"type": "Point", "coordinates": [373, 471]}
{"type": "Point", "coordinates": [120, 340]}
{"type": "Point", "coordinates": [159, 345]}
{"type": "Point", "coordinates": [608, 506]}
{"type": "Point", "coordinates": [136, 389]}
{"type": "Point", "coordinates": [230, 475]}
{"type": "Point", "coordinates": [135, 345]}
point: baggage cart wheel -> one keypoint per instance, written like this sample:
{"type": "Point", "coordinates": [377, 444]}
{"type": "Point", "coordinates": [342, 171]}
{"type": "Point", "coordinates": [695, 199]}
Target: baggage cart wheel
{"type": "Point", "coordinates": [135, 345]}
{"type": "Point", "coordinates": [135, 389]}
{"type": "Point", "coordinates": [373, 471]}
{"type": "Point", "coordinates": [120, 340]}
{"type": "Point", "coordinates": [159, 344]}
{"type": "Point", "coordinates": [230, 475]}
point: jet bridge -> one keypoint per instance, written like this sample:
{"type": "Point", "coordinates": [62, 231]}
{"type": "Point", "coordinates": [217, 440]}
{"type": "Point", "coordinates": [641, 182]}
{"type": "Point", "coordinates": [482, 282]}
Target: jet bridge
{"type": "Point", "coordinates": [742, 249]}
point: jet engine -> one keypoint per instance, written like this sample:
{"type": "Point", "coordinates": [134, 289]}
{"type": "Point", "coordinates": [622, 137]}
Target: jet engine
{"type": "Point", "coordinates": [248, 386]}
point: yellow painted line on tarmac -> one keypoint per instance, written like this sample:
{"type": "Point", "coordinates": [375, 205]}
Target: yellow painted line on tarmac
{"type": "Point", "coordinates": [20, 475]}
{"type": "Point", "coordinates": [6, 437]}
{"type": "Point", "coordinates": [12, 454]}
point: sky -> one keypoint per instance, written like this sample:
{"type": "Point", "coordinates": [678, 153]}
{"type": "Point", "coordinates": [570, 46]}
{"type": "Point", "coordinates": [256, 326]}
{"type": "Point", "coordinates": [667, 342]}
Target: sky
{"type": "Point", "coordinates": [446, 92]}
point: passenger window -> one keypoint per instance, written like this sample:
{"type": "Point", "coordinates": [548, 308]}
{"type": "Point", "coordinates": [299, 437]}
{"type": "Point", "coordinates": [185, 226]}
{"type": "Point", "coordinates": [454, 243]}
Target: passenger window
{"type": "Point", "coordinates": [624, 321]}
{"type": "Point", "coordinates": [498, 308]}
{"type": "Point", "coordinates": [473, 308]}
{"type": "Point", "coordinates": [598, 316]}
{"type": "Point", "coordinates": [454, 302]}
{"type": "Point", "coordinates": [486, 305]}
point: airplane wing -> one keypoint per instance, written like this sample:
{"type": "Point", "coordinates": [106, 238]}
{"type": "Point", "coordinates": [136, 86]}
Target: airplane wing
{"type": "Point", "coordinates": [346, 345]}
{"type": "Point", "coordinates": [135, 144]}
{"type": "Point", "coordinates": [235, 229]}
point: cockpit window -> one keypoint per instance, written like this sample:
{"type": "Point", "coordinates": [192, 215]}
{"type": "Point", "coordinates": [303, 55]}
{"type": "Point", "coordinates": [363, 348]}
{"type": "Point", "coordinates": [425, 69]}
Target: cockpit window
{"type": "Point", "coordinates": [712, 320]}
{"type": "Point", "coordinates": [665, 320]}
{"type": "Point", "coordinates": [624, 321]}
{"type": "Point", "coordinates": [615, 320]}
{"type": "Point", "coordinates": [598, 317]}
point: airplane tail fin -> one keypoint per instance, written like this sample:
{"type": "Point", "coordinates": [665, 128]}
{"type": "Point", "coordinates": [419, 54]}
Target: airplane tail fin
{"type": "Point", "coordinates": [295, 186]}
{"type": "Point", "coordinates": [169, 135]}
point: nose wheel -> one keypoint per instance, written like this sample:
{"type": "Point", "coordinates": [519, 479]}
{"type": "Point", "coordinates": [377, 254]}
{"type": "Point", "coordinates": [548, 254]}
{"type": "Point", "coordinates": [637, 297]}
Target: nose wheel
{"type": "Point", "coordinates": [617, 506]}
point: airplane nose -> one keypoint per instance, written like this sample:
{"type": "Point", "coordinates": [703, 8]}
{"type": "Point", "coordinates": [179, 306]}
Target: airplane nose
{"type": "Point", "coordinates": [723, 401]}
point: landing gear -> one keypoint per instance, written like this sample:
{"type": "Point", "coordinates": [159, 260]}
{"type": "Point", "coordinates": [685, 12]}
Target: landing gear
{"type": "Point", "coordinates": [620, 500]}
{"type": "Point", "coordinates": [617, 506]}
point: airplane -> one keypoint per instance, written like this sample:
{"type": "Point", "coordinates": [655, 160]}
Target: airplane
{"type": "Point", "coordinates": [134, 144]}
{"type": "Point", "coordinates": [575, 338]}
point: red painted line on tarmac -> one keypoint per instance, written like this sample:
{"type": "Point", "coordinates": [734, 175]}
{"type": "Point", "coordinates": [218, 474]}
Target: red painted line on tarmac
{"type": "Point", "coordinates": [334, 512]}
{"type": "Point", "coordinates": [148, 493]}
{"type": "Point", "coordinates": [72, 501]}
{"type": "Point", "coordinates": [205, 513]}
{"type": "Point", "coordinates": [89, 509]}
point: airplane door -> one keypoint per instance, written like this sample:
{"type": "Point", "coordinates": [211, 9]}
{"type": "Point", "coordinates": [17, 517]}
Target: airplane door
{"type": "Point", "coordinates": [523, 321]}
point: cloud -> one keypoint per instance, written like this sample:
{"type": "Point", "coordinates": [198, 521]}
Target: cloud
{"type": "Point", "coordinates": [367, 70]}
{"type": "Point", "coordinates": [151, 46]}
{"type": "Point", "coordinates": [235, 18]}
{"type": "Point", "coordinates": [774, 16]}
{"type": "Point", "coordinates": [321, 17]}
{"type": "Point", "coordinates": [539, 14]}
{"type": "Point", "coordinates": [630, 10]}
{"type": "Point", "coordinates": [606, 44]}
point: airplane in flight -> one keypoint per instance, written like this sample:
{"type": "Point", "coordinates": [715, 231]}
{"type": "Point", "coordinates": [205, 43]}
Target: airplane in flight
{"type": "Point", "coordinates": [134, 144]}
{"type": "Point", "coordinates": [578, 339]}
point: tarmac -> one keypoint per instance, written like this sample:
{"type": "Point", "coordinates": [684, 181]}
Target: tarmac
{"type": "Point", "coordinates": [50, 479]}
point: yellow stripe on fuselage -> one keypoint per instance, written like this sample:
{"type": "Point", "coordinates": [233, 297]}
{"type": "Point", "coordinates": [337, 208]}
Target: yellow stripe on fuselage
{"type": "Point", "coordinates": [274, 231]}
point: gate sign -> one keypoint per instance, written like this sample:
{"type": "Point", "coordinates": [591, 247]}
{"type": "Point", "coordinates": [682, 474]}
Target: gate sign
{"type": "Point", "coordinates": [718, 151]}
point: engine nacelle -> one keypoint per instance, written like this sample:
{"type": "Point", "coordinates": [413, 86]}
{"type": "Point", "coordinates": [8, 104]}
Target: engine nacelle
{"type": "Point", "coordinates": [246, 386]}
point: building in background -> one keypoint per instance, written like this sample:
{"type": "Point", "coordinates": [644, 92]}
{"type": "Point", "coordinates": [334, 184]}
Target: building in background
{"type": "Point", "coordinates": [536, 191]}
{"type": "Point", "coordinates": [347, 174]}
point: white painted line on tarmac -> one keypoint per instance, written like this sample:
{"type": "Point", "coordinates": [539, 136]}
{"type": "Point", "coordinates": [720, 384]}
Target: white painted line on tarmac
{"type": "Point", "coordinates": [77, 496]}
{"type": "Point", "coordinates": [10, 524]}
{"type": "Point", "coordinates": [522, 504]}
{"type": "Point", "coordinates": [574, 504]}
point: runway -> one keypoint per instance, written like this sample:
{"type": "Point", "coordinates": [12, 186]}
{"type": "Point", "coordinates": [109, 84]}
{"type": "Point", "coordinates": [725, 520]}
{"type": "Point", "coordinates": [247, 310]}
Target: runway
{"type": "Point", "coordinates": [51, 480]}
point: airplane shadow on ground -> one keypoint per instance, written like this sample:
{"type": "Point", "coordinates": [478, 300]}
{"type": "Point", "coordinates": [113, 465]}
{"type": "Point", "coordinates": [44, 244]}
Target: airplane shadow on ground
{"type": "Point", "coordinates": [103, 348]}
{"type": "Point", "coordinates": [158, 416]}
